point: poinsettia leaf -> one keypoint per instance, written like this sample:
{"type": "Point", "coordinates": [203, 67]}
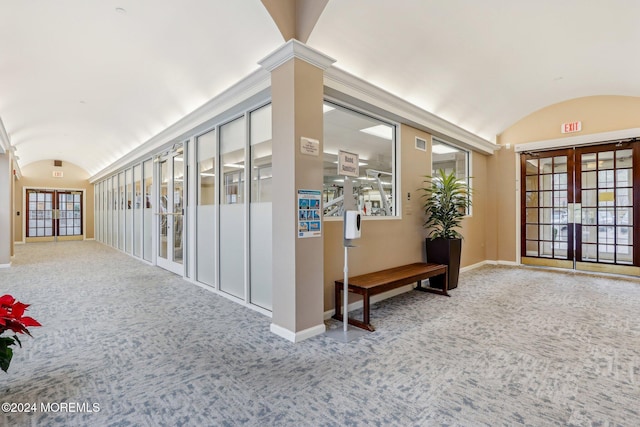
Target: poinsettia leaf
{"type": "Point", "coordinates": [29, 321]}
{"type": "Point", "coordinates": [6, 354]}
{"type": "Point", "coordinates": [15, 337]}
{"type": "Point", "coordinates": [6, 341]}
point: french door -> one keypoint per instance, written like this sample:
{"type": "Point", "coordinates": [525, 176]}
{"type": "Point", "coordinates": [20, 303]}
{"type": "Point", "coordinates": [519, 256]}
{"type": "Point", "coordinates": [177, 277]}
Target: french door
{"type": "Point", "coordinates": [171, 211]}
{"type": "Point", "coordinates": [577, 208]}
{"type": "Point", "coordinates": [53, 215]}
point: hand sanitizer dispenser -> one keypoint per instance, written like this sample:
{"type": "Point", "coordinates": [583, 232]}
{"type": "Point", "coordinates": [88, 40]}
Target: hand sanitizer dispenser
{"type": "Point", "coordinates": [352, 225]}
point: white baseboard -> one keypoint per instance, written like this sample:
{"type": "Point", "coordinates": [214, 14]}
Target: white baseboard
{"type": "Point", "coordinates": [5, 265]}
{"type": "Point", "coordinates": [298, 336]}
{"type": "Point", "coordinates": [489, 262]}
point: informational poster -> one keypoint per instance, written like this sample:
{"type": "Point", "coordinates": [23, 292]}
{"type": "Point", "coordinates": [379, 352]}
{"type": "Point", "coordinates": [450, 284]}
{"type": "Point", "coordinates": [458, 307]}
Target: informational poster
{"type": "Point", "coordinates": [309, 213]}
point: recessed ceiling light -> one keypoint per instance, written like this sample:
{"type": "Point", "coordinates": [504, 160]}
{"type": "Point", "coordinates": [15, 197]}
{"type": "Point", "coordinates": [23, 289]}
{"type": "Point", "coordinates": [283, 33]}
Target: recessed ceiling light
{"type": "Point", "coordinates": [381, 131]}
{"type": "Point", "coordinates": [121, 10]}
{"type": "Point", "coordinates": [443, 149]}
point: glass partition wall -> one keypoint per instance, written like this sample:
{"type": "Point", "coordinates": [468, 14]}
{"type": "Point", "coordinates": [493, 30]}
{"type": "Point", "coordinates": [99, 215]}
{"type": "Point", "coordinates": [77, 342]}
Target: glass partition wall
{"type": "Point", "coordinates": [206, 145]}
{"type": "Point", "coordinates": [232, 207]}
{"type": "Point", "coordinates": [147, 210]}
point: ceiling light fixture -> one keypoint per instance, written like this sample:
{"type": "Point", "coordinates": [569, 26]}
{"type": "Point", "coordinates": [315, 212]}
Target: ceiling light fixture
{"type": "Point", "coordinates": [381, 131]}
{"type": "Point", "coordinates": [443, 149]}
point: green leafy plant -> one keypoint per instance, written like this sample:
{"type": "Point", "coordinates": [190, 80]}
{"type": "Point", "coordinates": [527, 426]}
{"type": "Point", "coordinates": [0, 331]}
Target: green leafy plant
{"type": "Point", "coordinates": [446, 203]}
{"type": "Point", "coordinates": [12, 319]}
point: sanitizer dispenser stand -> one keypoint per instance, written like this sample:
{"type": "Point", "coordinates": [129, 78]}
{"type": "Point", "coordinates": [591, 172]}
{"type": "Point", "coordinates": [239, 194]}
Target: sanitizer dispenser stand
{"type": "Point", "coordinates": [352, 221]}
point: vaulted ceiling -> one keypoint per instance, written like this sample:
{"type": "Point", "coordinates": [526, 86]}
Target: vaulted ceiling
{"type": "Point", "coordinates": [87, 81]}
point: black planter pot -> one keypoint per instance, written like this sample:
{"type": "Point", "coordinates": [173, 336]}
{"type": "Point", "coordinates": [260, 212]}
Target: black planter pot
{"type": "Point", "coordinates": [448, 252]}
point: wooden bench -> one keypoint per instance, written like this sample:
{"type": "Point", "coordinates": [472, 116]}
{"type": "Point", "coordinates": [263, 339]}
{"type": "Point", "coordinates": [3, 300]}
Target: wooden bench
{"type": "Point", "coordinates": [377, 282]}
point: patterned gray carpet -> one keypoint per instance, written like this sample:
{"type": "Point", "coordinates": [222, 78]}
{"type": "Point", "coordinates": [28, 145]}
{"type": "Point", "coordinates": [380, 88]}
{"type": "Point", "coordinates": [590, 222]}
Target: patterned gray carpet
{"type": "Point", "coordinates": [512, 346]}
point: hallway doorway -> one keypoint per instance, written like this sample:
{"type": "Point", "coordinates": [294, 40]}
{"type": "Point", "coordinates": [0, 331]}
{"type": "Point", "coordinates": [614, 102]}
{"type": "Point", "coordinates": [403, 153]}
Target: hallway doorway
{"type": "Point", "coordinates": [53, 215]}
{"type": "Point", "coordinates": [577, 208]}
{"type": "Point", "coordinates": [171, 211]}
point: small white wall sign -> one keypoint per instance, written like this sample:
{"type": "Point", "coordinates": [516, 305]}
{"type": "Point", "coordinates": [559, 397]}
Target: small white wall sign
{"type": "Point", "coordinates": [309, 146]}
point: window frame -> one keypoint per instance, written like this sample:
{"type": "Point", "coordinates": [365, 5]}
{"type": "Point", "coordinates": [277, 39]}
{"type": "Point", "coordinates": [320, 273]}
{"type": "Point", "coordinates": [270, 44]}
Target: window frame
{"type": "Point", "coordinates": [468, 162]}
{"type": "Point", "coordinates": [395, 200]}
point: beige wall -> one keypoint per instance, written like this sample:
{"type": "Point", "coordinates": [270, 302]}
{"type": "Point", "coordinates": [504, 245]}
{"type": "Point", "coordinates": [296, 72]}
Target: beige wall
{"type": "Point", "coordinates": [597, 114]}
{"type": "Point", "coordinates": [387, 243]}
{"type": "Point", "coordinates": [40, 175]}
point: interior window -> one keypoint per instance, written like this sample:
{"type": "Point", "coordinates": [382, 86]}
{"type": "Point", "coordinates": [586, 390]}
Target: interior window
{"type": "Point", "coordinates": [449, 158]}
{"type": "Point", "coordinates": [373, 140]}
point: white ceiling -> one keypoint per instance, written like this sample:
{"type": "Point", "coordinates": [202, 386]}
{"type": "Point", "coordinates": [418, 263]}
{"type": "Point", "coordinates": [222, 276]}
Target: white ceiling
{"type": "Point", "coordinates": [84, 83]}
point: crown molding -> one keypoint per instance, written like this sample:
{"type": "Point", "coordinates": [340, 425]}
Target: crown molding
{"type": "Point", "coordinates": [578, 140]}
{"type": "Point", "coordinates": [405, 112]}
{"type": "Point", "coordinates": [5, 143]}
{"type": "Point", "coordinates": [295, 49]}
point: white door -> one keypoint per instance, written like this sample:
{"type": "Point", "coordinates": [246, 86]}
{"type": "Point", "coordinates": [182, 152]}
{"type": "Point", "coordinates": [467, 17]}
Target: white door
{"type": "Point", "coordinates": [171, 212]}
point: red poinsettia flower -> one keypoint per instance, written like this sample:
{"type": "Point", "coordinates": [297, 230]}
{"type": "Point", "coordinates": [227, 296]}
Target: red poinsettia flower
{"type": "Point", "coordinates": [12, 318]}
{"type": "Point", "coordinates": [12, 315]}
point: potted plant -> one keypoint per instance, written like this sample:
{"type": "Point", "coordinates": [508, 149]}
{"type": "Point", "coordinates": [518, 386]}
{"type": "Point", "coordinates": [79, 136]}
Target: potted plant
{"type": "Point", "coordinates": [446, 203]}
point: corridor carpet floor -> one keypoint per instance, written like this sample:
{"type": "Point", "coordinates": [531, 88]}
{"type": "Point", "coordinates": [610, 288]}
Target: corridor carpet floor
{"type": "Point", "coordinates": [124, 343]}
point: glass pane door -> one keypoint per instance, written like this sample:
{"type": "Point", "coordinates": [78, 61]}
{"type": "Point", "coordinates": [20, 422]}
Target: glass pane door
{"type": "Point", "coordinates": [40, 212]}
{"type": "Point", "coordinates": [54, 215]}
{"type": "Point", "coordinates": [577, 208]}
{"type": "Point", "coordinates": [171, 211]}
{"type": "Point", "coordinates": [69, 222]}
{"type": "Point", "coordinates": [605, 181]}
{"type": "Point", "coordinates": [546, 222]}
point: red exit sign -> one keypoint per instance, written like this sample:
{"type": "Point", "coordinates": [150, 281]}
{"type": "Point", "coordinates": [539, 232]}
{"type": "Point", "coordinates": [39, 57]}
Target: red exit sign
{"type": "Point", "coordinates": [571, 127]}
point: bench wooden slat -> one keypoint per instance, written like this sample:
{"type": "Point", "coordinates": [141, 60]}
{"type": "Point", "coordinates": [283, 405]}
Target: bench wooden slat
{"type": "Point", "coordinates": [409, 273]}
{"type": "Point", "coordinates": [384, 280]}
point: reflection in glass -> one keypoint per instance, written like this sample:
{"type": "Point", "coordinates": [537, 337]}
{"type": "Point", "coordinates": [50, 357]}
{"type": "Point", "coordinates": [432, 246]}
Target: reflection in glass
{"type": "Point", "coordinates": [147, 168]}
{"type": "Point", "coordinates": [178, 206]}
{"type": "Point", "coordinates": [164, 226]}
{"type": "Point", "coordinates": [137, 210]}
{"type": "Point", "coordinates": [232, 208]}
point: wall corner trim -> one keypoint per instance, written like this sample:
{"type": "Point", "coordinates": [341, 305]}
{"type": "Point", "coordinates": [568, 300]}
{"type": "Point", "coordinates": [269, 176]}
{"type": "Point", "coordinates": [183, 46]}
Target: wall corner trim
{"type": "Point", "coordinates": [295, 49]}
{"type": "Point", "coordinates": [298, 336]}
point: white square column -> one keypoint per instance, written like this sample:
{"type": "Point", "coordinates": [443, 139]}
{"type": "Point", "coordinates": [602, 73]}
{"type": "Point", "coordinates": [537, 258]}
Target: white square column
{"type": "Point", "coordinates": [297, 89]}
